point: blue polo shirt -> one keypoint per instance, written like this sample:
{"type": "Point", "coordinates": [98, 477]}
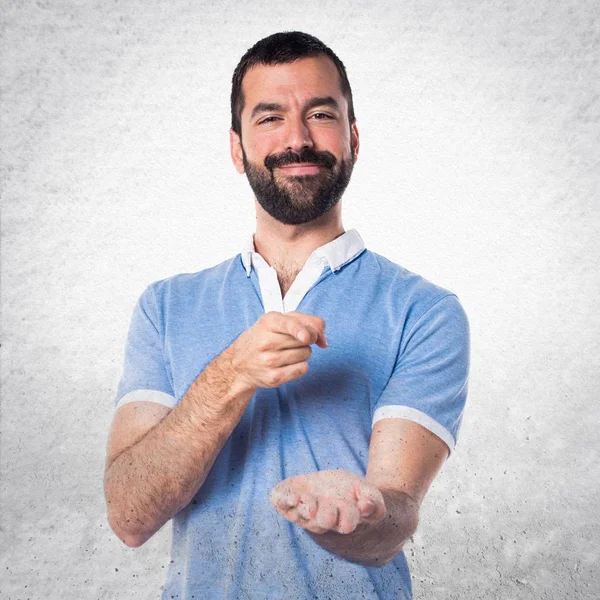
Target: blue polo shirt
{"type": "Point", "coordinates": [398, 348]}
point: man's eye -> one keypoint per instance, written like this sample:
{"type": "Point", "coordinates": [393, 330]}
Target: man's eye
{"type": "Point", "coordinates": [322, 116]}
{"type": "Point", "coordinates": [268, 120]}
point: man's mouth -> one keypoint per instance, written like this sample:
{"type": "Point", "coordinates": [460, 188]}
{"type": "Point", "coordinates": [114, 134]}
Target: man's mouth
{"type": "Point", "coordinates": [300, 169]}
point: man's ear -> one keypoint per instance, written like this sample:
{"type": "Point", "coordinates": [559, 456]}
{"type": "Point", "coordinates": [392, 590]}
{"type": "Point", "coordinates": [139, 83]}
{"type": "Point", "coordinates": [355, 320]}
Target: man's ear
{"type": "Point", "coordinates": [354, 140]}
{"type": "Point", "coordinates": [235, 147]}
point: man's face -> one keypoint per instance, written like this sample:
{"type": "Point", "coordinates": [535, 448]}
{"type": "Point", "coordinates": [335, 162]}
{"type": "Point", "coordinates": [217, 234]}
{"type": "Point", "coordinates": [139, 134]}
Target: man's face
{"type": "Point", "coordinates": [297, 147]}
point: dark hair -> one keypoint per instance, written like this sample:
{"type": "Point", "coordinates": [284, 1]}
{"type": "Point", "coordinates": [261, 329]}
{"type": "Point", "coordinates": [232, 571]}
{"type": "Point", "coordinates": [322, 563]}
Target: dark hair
{"type": "Point", "coordinates": [284, 47]}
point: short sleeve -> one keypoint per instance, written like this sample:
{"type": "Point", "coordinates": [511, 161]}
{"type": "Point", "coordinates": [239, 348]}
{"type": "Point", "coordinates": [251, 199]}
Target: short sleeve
{"type": "Point", "coordinates": [430, 378]}
{"type": "Point", "coordinates": [145, 376]}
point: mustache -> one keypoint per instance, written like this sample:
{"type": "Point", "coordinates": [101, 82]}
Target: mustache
{"type": "Point", "coordinates": [307, 155]}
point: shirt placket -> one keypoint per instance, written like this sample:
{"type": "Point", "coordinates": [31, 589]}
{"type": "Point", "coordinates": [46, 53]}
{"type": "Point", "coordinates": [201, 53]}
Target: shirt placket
{"type": "Point", "coordinates": [304, 281]}
{"type": "Point", "coordinates": [269, 284]}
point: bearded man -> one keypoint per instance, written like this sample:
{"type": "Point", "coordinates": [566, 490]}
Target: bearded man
{"type": "Point", "coordinates": [290, 407]}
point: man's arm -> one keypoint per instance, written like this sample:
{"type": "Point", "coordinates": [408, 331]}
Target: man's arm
{"type": "Point", "coordinates": [157, 460]}
{"type": "Point", "coordinates": [160, 471]}
{"type": "Point", "coordinates": [368, 520]}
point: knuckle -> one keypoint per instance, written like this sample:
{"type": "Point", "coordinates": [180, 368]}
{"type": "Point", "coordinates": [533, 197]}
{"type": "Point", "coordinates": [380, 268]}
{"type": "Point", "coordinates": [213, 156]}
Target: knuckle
{"type": "Point", "coordinates": [269, 317]}
{"type": "Point", "coordinates": [272, 314]}
{"type": "Point", "coordinates": [273, 379]}
{"type": "Point", "coordinates": [267, 359]}
{"type": "Point", "coordinates": [263, 344]}
{"type": "Point", "coordinates": [319, 321]}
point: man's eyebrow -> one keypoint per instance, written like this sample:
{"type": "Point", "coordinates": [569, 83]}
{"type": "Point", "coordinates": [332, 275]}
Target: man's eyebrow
{"type": "Point", "coordinates": [322, 101]}
{"type": "Point", "coordinates": [265, 107]}
{"type": "Point", "coordinates": [312, 103]}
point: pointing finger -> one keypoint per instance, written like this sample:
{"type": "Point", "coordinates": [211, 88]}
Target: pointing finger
{"type": "Point", "coordinates": [314, 325]}
{"type": "Point", "coordinates": [308, 334]}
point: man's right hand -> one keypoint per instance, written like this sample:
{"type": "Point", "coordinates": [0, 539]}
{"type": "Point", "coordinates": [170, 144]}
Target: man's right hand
{"type": "Point", "coordinates": [157, 458]}
{"type": "Point", "coordinates": [276, 349]}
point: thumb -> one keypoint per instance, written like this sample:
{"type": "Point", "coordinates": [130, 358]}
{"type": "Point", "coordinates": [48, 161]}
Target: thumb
{"type": "Point", "coordinates": [370, 502]}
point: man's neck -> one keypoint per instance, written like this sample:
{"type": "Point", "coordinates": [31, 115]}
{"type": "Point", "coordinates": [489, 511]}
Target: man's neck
{"type": "Point", "coordinates": [286, 248]}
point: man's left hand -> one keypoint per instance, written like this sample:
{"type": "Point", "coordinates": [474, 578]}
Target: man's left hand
{"type": "Point", "coordinates": [334, 500]}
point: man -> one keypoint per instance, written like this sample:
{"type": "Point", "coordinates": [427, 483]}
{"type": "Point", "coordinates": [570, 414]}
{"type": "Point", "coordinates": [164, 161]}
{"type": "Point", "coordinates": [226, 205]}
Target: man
{"type": "Point", "coordinates": [290, 407]}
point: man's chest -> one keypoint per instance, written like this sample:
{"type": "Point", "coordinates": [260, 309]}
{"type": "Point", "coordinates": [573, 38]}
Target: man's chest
{"type": "Point", "coordinates": [359, 355]}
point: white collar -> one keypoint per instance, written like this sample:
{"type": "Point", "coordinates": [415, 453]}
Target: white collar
{"type": "Point", "coordinates": [336, 253]}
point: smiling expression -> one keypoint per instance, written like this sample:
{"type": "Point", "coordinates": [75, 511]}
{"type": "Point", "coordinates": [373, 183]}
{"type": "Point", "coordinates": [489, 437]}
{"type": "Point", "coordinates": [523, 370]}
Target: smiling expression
{"type": "Point", "coordinates": [297, 146]}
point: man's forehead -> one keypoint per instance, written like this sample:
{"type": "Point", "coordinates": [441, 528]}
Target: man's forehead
{"type": "Point", "coordinates": [312, 76]}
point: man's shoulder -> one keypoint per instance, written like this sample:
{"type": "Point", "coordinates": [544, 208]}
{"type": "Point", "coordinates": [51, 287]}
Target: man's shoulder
{"type": "Point", "coordinates": [410, 294]}
{"type": "Point", "coordinates": [185, 285]}
{"type": "Point", "coordinates": [399, 280]}
{"type": "Point", "coordinates": [413, 296]}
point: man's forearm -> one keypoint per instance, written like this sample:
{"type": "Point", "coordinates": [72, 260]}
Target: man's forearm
{"type": "Point", "coordinates": [375, 545]}
{"type": "Point", "coordinates": [157, 476]}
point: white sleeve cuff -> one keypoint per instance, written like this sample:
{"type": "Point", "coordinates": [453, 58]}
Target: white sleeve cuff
{"type": "Point", "coordinates": [147, 396]}
{"type": "Point", "coordinates": [412, 414]}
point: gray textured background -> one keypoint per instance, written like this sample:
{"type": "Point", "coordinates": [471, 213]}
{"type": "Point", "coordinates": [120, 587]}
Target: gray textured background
{"type": "Point", "coordinates": [480, 130]}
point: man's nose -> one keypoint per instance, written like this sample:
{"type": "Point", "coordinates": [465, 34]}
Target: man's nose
{"type": "Point", "coordinates": [298, 135]}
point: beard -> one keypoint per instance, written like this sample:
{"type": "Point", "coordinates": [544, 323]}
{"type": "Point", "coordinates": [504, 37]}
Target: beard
{"type": "Point", "coordinates": [297, 199]}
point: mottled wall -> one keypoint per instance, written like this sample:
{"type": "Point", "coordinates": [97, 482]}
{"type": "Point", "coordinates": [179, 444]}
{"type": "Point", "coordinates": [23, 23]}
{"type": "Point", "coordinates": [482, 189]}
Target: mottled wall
{"type": "Point", "coordinates": [480, 127]}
